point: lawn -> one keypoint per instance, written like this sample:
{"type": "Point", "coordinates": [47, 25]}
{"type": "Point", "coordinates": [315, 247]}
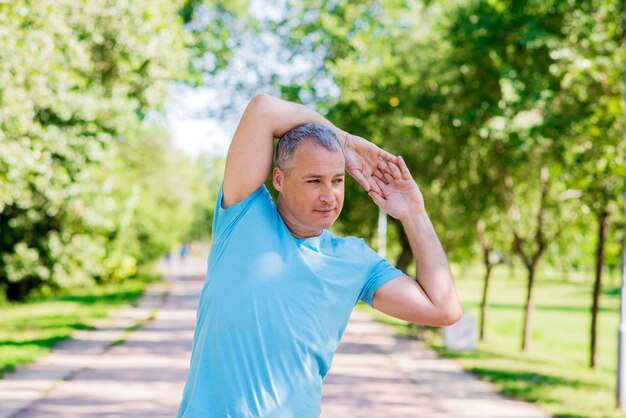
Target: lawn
{"type": "Point", "coordinates": [554, 372]}
{"type": "Point", "coordinates": [29, 330]}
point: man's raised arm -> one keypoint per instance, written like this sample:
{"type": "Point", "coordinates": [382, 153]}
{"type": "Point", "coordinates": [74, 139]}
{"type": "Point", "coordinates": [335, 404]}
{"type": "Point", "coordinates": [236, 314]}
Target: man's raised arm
{"type": "Point", "coordinates": [430, 298]}
{"type": "Point", "coordinates": [250, 155]}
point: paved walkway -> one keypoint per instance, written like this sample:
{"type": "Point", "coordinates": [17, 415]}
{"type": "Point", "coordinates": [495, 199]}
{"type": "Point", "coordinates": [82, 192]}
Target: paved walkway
{"type": "Point", "coordinates": [373, 374]}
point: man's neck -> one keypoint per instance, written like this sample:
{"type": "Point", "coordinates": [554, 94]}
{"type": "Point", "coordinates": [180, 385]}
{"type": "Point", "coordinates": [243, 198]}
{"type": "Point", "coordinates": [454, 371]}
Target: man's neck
{"type": "Point", "coordinates": [293, 227]}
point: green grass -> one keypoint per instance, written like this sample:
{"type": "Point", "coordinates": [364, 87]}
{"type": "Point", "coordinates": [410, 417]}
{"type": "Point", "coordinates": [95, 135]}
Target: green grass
{"type": "Point", "coordinates": [29, 330]}
{"type": "Point", "coordinates": [554, 372]}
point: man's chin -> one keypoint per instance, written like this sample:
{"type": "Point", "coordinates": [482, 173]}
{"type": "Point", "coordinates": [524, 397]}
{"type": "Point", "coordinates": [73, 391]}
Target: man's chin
{"type": "Point", "coordinates": [326, 223]}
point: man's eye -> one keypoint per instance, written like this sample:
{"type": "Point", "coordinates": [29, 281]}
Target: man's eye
{"type": "Point", "coordinates": [338, 181]}
{"type": "Point", "coordinates": [313, 181]}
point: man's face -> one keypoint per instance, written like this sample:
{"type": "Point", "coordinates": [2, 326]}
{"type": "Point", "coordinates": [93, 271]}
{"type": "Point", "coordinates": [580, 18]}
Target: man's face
{"type": "Point", "coordinates": [311, 193]}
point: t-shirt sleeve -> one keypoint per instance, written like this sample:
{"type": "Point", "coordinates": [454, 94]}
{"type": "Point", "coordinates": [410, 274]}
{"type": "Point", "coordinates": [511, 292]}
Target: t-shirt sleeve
{"type": "Point", "coordinates": [224, 220]}
{"type": "Point", "coordinates": [380, 273]}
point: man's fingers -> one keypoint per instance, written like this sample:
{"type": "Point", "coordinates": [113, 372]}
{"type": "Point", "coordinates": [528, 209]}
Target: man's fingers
{"type": "Point", "coordinates": [383, 175]}
{"type": "Point", "coordinates": [384, 172]}
{"type": "Point", "coordinates": [374, 186]}
{"type": "Point", "coordinates": [379, 174]}
{"type": "Point", "coordinates": [361, 179]}
{"type": "Point", "coordinates": [388, 172]}
{"type": "Point", "coordinates": [395, 171]}
{"type": "Point", "coordinates": [382, 186]}
{"type": "Point", "coordinates": [378, 199]}
{"type": "Point", "coordinates": [387, 156]}
{"type": "Point", "coordinates": [388, 177]}
{"type": "Point", "coordinates": [383, 166]}
{"type": "Point", "coordinates": [406, 174]}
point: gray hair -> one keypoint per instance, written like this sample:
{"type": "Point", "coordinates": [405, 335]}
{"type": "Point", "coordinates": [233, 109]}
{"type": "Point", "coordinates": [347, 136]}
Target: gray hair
{"type": "Point", "coordinates": [313, 132]}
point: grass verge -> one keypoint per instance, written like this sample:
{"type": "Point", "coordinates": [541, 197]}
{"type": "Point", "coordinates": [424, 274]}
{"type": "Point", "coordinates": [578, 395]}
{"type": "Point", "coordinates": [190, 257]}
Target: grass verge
{"type": "Point", "coordinates": [554, 372]}
{"type": "Point", "coordinates": [31, 329]}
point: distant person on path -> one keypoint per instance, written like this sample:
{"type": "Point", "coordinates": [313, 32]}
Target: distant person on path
{"type": "Point", "coordinates": [184, 249]}
{"type": "Point", "coordinates": [280, 287]}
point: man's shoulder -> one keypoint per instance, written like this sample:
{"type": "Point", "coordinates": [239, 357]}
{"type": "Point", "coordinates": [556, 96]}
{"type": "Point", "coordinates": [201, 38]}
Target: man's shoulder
{"type": "Point", "coordinates": [260, 205]}
{"type": "Point", "coordinates": [347, 243]}
{"type": "Point", "coordinates": [256, 210]}
{"type": "Point", "coordinates": [259, 196]}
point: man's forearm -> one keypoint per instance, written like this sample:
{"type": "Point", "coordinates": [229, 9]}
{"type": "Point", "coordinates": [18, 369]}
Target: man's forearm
{"type": "Point", "coordinates": [268, 117]}
{"type": "Point", "coordinates": [250, 154]}
{"type": "Point", "coordinates": [286, 115]}
{"type": "Point", "coordinates": [432, 270]}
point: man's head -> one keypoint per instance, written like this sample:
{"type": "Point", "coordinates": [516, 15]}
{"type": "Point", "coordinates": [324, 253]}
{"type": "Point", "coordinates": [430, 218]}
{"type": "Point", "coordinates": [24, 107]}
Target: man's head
{"type": "Point", "coordinates": [309, 174]}
{"type": "Point", "coordinates": [308, 132]}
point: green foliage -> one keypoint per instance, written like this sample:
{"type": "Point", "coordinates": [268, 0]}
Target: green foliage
{"type": "Point", "coordinates": [154, 183]}
{"type": "Point", "coordinates": [206, 183]}
{"type": "Point", "coordinates": [478, 96]}
{"type": "Point", "coordinates": [87, 191]}
{"type": "Point", "coordinates": [213, 31]}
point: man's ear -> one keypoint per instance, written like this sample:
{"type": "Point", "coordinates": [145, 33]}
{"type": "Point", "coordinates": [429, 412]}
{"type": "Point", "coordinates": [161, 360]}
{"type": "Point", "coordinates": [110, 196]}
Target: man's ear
{"type": "Point", "coordinates": [277, 179]}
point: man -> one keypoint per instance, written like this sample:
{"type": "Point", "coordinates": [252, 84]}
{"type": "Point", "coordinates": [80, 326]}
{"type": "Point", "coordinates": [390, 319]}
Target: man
{"type": "Point", "coordinates": [280, 287]}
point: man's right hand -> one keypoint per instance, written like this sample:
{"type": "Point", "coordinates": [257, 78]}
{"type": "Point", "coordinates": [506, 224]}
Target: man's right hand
{"type": "Point", "coordinates": [363, 158]}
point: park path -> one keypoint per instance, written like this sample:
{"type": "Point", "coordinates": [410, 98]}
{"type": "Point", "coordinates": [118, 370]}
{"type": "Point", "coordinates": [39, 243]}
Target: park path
{"type": "Point", "coordinates": [374, 374]}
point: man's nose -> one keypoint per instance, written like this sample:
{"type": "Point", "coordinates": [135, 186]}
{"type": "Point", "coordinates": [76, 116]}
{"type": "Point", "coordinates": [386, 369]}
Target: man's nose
{"type": "Point", "coordinates": [327, 195]}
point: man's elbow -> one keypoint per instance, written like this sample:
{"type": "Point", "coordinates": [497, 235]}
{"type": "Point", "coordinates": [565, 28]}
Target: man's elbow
{"type": "Point", "coordinates": [260, 103]}
{"type": "Point", "coordinates": [441, 317]}
{"type": "Point", "coordinates": [450, 316]}
{"type": "Point", "coordinates": [264, 107]}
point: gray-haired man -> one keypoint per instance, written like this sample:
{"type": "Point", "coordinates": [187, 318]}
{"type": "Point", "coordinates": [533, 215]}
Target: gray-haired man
{"type": "Point", "coordinates": [280, 287]}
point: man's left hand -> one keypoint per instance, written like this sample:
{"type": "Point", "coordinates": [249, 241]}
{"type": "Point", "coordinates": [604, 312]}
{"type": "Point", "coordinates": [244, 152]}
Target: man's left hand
{"type": "Point", "coordinates": [363, 159]}
{"type": "Point", "coordinates": [395, 191]}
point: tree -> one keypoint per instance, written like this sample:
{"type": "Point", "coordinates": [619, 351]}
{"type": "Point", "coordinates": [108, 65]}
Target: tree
{"type": "Point", "coordinates": [590, 64]}
{"type": "Point", "coordinates": [491, 243]}
{"type": "Point", "coordinates": [77, 80]}
{"type": "Point", "coordinates": [516, 45]}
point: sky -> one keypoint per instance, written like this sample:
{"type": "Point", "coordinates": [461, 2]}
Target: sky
{"type": "Point", "coordinates": [195, 117]}
{"type": "Point", "coordinates": [191, 127]}
{"type": "Point", "coordinates": [204, 119]}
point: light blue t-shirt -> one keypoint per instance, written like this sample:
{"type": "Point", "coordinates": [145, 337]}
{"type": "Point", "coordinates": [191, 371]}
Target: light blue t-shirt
{"type": "Point", "coordinates": [272, 312]}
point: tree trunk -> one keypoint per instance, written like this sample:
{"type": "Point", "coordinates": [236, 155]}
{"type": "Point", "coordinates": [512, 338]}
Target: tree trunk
{"type": "Point", "coordinates": [483, 305]}
{"type": "Point", "coordinates": [529, 306]}
{"type": "Point", "coordinates": [602, 227]}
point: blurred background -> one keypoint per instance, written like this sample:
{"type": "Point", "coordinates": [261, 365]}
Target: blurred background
{"type": "Point", "coordinates": [115, 117]}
